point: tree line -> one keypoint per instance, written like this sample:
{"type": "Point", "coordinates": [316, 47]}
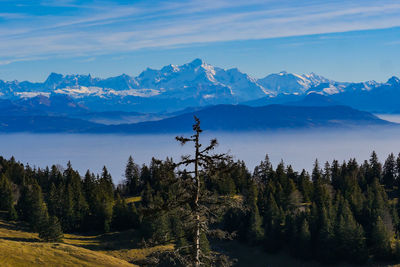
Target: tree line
{"type": "Point", "coordinates": [345, 211]}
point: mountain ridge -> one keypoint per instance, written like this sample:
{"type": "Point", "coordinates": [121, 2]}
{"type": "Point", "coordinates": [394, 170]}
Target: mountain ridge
{"type": "Point", "coordinates": [172, 88]}
{"type": "Point", "coordinates": [241, 118]}
{"type": "Point", "coordinates": [231, 118]}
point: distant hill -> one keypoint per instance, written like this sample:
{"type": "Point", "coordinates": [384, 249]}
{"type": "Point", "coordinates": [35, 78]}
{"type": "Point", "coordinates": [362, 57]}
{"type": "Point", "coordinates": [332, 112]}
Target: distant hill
{"type": "Point", "coordinates": [314, 100]}
{"type": "Point", "coordinates": [63, 115]}
{"type": "Point", "coordinates": [373, 97]}
{"type": "Point", "coordinates": [245, 118]}
{"type": "Point", "coordinates": [44, 124]}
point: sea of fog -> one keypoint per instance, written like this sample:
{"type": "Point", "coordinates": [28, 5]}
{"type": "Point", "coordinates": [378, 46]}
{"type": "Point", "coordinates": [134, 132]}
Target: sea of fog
{"type": "Point", "coordinates": [298, 148]}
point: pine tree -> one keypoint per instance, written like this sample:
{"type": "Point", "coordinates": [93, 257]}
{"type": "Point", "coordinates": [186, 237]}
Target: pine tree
{"type": "Point", "coordinates": [161, 228]}
{"type": "Point", "coordinates": [255, 230]}
{"type": "Point", "coordinates": [350, 239]}
{"type": "Point", "coordinates": [106, 184]}
{"type": "Point", "coordinates": [67, 217]}
{"type": "Point", "coordinates": [304, 239]}
{"type": "Point", "coordinates": [305, 186]}
{"type": "Point", "coordinates": [178, 231]}
{"type": "Point", "coordinates": [316, 173]}
{"type": "Point", "coordinates": [201, 202]}
{"type": "Point", "coordinates": [6, 197]}
{"type": "Point", "coordinates": [34, 209]}
{"type": "Point", "coordinates": [51, 230]}
{"type": "Point", "coordinates": [375, 170]}
{"type": "Point", "coordinates": [327, 175]}
{"type": "Point", "coordinates": [104, 199]}
{"type": "Point", "coordinates": [90, 190]}
{"type": "Point", "coordinates": [325, 242]}
{"type": "Point", "coordinates": [262, 172]}
{"type": "Point", "coordinates": [389, 172]}
{"type": "Point", "coordinates": [132, 176]}
{"type": "Point", "coordinates": [124, 216]}
{"type": "Point", "coordinates": [380, 240]}
{"type": "Point", "coordinates": [53, 201]}
{"type": "Point", "coordinates": [272, 229]}
{"type": "Point", "coordinates": [336, 177]}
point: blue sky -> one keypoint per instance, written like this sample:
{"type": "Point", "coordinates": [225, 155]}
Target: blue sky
{"type": "Point", "coordinates": [343, 40]}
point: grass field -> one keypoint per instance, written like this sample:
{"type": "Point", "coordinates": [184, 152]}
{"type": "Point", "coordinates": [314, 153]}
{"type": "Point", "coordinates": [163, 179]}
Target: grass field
{"type": "Point", "coordinates": [19, 247]}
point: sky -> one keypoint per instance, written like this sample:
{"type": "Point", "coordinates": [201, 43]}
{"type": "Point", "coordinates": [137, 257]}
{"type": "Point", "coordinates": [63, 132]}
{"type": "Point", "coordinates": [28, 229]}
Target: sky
{"type": "Point", "coordinates": [345, 40]}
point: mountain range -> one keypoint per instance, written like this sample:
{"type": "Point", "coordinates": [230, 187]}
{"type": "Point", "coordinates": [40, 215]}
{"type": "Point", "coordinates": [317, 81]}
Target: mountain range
{"type": "Point", "coordinates": [231, 118]}
{"type": "Point", "coordinates": [166, 100]}
{"type": "Point", "coordinates": [198, 84]}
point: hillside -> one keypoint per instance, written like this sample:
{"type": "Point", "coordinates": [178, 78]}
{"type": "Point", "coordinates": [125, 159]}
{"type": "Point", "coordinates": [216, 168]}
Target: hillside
{"type": "Point", "coordinates": [22, 248]}
{"type": "Point", "coordinates": [43, 124]}
{"type": "Point", "coordinates": [245, 118]}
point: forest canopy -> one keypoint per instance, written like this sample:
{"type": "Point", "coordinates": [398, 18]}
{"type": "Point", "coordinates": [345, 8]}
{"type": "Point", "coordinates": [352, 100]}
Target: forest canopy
{"type": "Point", "coordinates": [340, 212]}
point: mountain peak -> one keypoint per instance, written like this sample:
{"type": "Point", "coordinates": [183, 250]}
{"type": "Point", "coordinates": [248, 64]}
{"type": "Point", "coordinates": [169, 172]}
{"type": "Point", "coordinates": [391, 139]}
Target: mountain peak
{"type": "Point", "coordinates": [197, 62]}
{"type": "Point", "coordinates": [53, 79]}
{"type": "Point", "coordinates": [393, 80]}
{"type": "Point", "coordinates": [54, 76]}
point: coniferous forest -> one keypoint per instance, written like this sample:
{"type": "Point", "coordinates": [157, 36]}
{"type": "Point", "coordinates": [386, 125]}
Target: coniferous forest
{"type": "Point", "coordinates": [340, 212]}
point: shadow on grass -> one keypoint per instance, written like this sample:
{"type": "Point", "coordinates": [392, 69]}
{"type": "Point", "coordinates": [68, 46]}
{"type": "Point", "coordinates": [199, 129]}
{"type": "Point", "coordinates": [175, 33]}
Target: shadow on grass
{"type": "Point", "coordinates": [20, 239]}
{"type": "Point", "coordinates": [109, 241]}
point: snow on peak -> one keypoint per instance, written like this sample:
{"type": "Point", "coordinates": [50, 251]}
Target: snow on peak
{"type": "Point", "coordinates": [291, 83]}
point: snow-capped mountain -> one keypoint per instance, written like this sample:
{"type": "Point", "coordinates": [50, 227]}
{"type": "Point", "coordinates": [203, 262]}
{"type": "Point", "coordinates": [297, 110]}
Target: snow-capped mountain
{"type": "Point", "coordinates": [200, 80]}
{"type": "Point", "coordinates": [189, 85]}
{"type": "Point", "coordinates": [192, 80]}
{"type": "Point", "coordinates": [288, 83]}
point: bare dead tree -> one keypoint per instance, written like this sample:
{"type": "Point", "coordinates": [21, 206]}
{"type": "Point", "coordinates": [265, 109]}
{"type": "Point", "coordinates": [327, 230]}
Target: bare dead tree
{"type": "Point", "coordinates": [203, 162]}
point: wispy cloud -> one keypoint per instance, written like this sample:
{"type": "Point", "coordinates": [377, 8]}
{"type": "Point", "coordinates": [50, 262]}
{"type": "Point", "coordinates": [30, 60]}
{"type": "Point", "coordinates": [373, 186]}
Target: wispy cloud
{"type": "Point", "coordinates": [95, 28]}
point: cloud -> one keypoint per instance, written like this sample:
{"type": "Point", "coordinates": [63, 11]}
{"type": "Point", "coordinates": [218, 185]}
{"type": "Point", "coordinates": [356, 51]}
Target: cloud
{"type": "Point", "coordinates": [97, 28]}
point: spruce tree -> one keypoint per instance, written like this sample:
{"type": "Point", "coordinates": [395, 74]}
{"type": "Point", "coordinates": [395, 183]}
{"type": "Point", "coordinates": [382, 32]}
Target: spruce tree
{"type": "Point", "coordinates": [389, 172]}
{"type": "Point", "coordinates": [51, 230]}
{"type": "Point", "coordinates": [304, 239]}
{"type": "Point", "coordinates": [272, 224]}
{"type": "Point", "coordinates": [380, 240]}
{"type": "Point", "coordinates": [31, 206]}
{"type": "Point", "coordinates": [262, 172]}
{"type": "Point", "coordinates": [255, 230]}
{"type": "Point", "coordinates": [351, 243]}
{"type": "Point", "coordinates": [124, 216]}
{"type": "Point", "coordinates": [316, 173]}
{"type": "Point", "coordinates": [325, 240]}
{"type": "Point", "coordinates": [375, 169]}
{"type": "Point", "coordinates": [7, 198]}
{"type": "Point", "coordinates": [132, 176]}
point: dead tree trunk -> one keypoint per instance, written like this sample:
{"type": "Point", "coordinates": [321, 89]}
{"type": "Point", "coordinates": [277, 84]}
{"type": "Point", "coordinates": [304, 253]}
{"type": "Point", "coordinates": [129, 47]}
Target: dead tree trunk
{"type": "Point", "coordinates": [201, 161]}
{"type": "Point", "coordinates": [196, 200]}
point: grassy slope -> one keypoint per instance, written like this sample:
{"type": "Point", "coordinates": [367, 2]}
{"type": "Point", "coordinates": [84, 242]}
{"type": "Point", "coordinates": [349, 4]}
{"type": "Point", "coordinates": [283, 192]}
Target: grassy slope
{"type": "Point", "coordinates": [19, 247]}
{"type": "Point", "coordinates": [47, 254]}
